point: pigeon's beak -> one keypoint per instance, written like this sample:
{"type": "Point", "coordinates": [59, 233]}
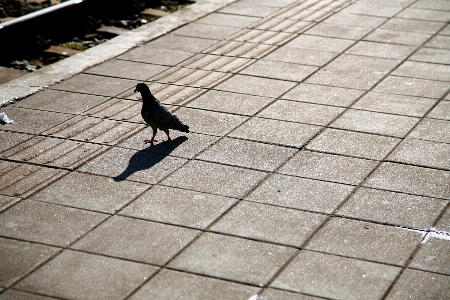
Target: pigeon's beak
{"type": "Point", "coordinates": [135, 90]}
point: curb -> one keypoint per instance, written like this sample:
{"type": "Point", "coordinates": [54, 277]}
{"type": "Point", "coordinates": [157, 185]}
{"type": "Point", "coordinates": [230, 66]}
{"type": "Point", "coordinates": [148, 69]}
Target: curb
{"type": "Point", "coordinates": [66, 68]}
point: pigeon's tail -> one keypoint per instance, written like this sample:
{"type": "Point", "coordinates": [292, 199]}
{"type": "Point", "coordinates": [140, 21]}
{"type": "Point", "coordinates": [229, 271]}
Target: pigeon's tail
{"type": "Point", "coordinates": [184, 128]}
{"type": "Point", "coordinates": [178, 125]}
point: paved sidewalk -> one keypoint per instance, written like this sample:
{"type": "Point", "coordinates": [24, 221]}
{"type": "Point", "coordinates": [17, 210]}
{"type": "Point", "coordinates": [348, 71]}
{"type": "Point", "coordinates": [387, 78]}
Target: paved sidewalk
{"type": "Point", "coordinates": [317, 167]}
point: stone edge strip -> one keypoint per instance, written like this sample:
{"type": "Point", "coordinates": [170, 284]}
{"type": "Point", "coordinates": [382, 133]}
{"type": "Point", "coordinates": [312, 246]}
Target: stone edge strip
{"type": "Point", "coordinates": [66, 68]}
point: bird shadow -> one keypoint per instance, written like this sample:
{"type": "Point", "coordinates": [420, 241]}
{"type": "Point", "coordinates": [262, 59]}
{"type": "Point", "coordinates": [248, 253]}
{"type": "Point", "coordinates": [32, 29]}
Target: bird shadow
{"type": "Point", "coordinates": [146, 158]}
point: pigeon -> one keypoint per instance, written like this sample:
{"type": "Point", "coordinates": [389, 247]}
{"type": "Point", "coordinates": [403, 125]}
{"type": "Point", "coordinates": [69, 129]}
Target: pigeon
{"type": "Point", "coordinates": [156, 115]}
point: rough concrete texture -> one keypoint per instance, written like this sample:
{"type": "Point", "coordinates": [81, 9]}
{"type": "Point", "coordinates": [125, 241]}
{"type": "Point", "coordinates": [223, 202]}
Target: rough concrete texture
{"type": "Point", "coordinates": [316, 167]}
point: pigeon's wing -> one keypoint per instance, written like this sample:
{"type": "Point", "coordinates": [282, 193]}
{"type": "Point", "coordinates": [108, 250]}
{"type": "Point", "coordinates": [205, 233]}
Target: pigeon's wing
{"type": "Point", "coordinates": [163, 116]}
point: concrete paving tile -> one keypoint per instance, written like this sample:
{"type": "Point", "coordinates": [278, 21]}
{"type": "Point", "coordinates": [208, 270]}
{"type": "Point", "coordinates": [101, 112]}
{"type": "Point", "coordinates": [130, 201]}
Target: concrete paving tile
{"type": "Point", "coordinates": [60, 101]}
{"type": "Point", "coordinates": [397, 37]}
{"type": "Point", "coordinates": [341, 18]}
{"type": "Point", "coordinates": [9, 140]}
{"type": "Point", "coordinates": [424, 14]}
{"type": "Point", "coordinates": [148, 242]}
{"type": "Point", "coordinates": [97, 193]}
{"type": "Point", "coordinates": [19, 258]}
{"type": "Point", "coordinates": [397, 104]}
{"type": "Point", "coordinates": [280, 3]}
{"type": "Point", "coordinates": [214, 178]}
{"type": "Point", "coordinates": [209, 122]}
{"type": "Point", "coordinates": [398, 3]}
{"type": "Point", "coordinates": [7, 201]}
{"type": "Point", "coordinates": [186, 145]}
{"type": "Point", "coordinates": [384, 50]}
{"type": "Point", "coordinates": [411, 179]}
{"type": "Point", "coordinates": [117, 109]}
{"type": "Point", "coordinates": [432, 130]}
{"type": "Point", "coordinates": [273, 294]}
{"type": "Point", "coordinates": [436, 5]}
{"type": "Point", "coordinates": [356, 79]}
{"type": "Point", "coordinates": [31, 120]}
{"type": "Point", "coordinates": [262, 36]}
{"type": "Point", "coordinates": [301, 193]}
{"type": "Point", "coordinates": [433, 256]}
{"type": "Point", "coordinates": [53, 152]}
{"type": "Point", "coordinates": [191, 77]}
{"type": "Point", "coordinates": [284, 25]}
{"type": "Point", "coordinates": [321, 94]}
{"type": "Point", "coordinates": [21, 180]}
{"type": "Point", "coordinates": [353, 143]}
{"type": "Point", "coordinates": [441, 111]}
{"type": "Point", "coordinates": [279, 70]}
{"type": "Point", "coordinates": [139, 166]}
{"type": "Point", "coordinates": [422, 153]}
{"type": "Point", "coordinates": [393, 208]}
{"type": "Point", "coordinates": [126, 69]}
{"type": "Point", "coordinates": [320, 43]}
{"type": "Point", "coordinates": [364, 63]}
{"type": "Point", "coordinates": [169, 284]}
{"type": "Point", "coordinates": [78, 275]}
{"type": "Point", "coordinates": [444, 222]}
{"type": "Point", "coordinates": [181, 43]}
{"type": "Point", "coordinates": [12, 171]}
{"type": "Point", "coordinates": [294, 111]}
{"type": "Point", "coordinates": [336, 277]}
{"type": "Point", "coordinates": [95, 85]}
{"type": "Point", "coordinates": [18, 295]}
{"type": "Point", "coordinates": [439, 41]}
{"type": "Point", "coordinates": [248, 10]}
{"type": "Point", "coordinates": [413, 87]}
{"type": "Point", "coordinates": [328, 167]}
{"type": "Point", "coordinates": [179, 207]}
{"type": "Point", "coordinates": [247, 154]}
{"type": "Point", "coordinates": [400, 24]}
{"type": "Point", "coordinates": [95, 130]}
{"type": "Point", "coordinates": [311, 15]}
{"type": "Point", "coordinates": [206, 31]}
{"type": "Point", "coordinates": [339, 31]}
{"type": "Point", "coordinates": [239, 260]}
{"type": "Point", "coordinates": [217, 63]}
{"type": "Point", "coordinates": [374, 122]}
{"type": "Point", "coordinates": [331, 6]}
{"type": "Point", "coordinates": [240, 49]}
{"type": "Point", "coordinates": [255, 86]}
{"type": "Point", "coordinates": [301, 56]}
{"type": "Point", "coordinates": [432, 55]}
{"type": "Point", "coordinates": [47, 223]}
{"type": "Point", "coordinates": [230, 102]}
{"type": "Point", "coordinates": [423, 70]}
{"type": "Point", "coordinates": [228, 20]}
{"type": "Point", "coordinates": [276, 132]}
{"type": "Point", "coordinates": [374, 242]}
{"type": "Point", "coordinates": [155, 55]}
{"type": "Point", "coordinates": [445, 30]}
{"type": "Point", "coordinates": [269, 223]}
{"type": "Point", "coordinates": [414, 284]}
{"type": "Point", "coordinates": [372, 10]}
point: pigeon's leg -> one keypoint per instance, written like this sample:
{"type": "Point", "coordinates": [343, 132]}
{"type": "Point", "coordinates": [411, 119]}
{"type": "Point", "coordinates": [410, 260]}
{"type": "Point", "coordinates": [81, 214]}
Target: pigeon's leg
{"type": "Point", "coordinates": [153, 137]}
{"type": "Point", "coordinates": [168, 137]}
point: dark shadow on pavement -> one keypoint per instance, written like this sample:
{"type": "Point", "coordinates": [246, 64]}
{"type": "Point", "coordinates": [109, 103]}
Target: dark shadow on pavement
{"type": "Point", "coordinates": [146, 158]}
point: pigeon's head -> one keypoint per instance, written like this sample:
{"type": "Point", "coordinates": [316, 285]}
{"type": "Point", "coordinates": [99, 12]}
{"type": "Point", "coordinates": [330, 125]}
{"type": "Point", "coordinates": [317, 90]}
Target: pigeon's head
{"type": "Point", "coordinates": [141, 87]}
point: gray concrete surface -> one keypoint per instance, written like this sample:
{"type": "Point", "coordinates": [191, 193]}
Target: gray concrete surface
{"type": "Point", "coordinates": [317, 166]}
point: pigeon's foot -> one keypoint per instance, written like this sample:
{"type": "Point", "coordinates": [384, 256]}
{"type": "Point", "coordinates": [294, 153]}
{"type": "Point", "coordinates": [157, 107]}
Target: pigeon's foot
{"type": "Point", "coordinates": [150, 141]}
{"type": "Point", "coordinates": [167, 141]}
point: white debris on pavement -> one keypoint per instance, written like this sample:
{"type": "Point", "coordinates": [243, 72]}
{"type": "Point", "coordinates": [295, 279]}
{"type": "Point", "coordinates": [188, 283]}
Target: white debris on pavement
{"type": "Point", "coordinates": [5, 120]}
